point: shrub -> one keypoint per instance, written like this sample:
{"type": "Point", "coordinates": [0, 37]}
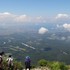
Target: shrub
{"type": "Point", "coordinates": [57, 66]}
{"type": "Point", "coordinates": [42, 62]}
{"type": "Point", "coordinates": [63, 66]}
{"type": "Point", "coordinates": [18, 65]}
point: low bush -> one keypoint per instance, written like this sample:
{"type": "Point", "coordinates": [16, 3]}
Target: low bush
{"type": "Point", "coordinates": [42, 62]}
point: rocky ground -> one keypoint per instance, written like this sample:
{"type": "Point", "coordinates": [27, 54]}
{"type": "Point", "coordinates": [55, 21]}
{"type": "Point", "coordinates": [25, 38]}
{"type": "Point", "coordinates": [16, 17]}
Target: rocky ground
{"type": "Point", "coordinates": [41, 68]}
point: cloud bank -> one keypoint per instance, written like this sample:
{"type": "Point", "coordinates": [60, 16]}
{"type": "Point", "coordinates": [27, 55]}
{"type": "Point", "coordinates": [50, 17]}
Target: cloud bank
{"type": "Point", "coordinates": [7, 17]}
{"type": "Point", "coordinates": [60, 20]}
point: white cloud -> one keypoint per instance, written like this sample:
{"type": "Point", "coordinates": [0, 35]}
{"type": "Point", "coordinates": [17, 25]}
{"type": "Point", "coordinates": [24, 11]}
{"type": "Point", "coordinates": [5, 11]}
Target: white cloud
{"type": "Point", "coordinates": [56, 37]}
{"type": "Point", "coordinates": [66, 26]}
{"type": "Point", "coordinates": [7, 17]}
{"type": "Point", "coordinates": [39, 19]}
{"type": "Point", "coordinates": [6, 13]}
{"type": "Point", "coordinates": [43, 30]}
{"type": "Point", "coordinates": [22, 18]}
{"type": "Point", "coordinates": [59, 16]}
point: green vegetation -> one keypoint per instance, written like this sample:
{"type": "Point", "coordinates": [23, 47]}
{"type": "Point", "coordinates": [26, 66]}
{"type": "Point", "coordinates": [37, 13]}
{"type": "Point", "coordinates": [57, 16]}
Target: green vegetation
{"type": "Point", "coordinates": [53, 65]}
{"type": "Point", "coordinates": [42, 62]}
{"type": "Point", "coordinates": [57, 65]}
{"type": "Point", "coordinates": [16, 65]}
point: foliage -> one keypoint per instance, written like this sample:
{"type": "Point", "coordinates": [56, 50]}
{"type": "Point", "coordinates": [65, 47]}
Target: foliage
{"type": "Point", "coordinates": [18, 65]}
{"type": "Point", "coordinates": [42, 62]}
{"type": "Point", "coordinates": [57, 65]}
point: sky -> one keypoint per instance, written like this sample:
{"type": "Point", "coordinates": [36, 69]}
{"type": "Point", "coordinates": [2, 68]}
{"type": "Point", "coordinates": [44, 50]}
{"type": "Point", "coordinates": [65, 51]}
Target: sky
{"type": "Point", "coordinates": [35, 7]}
{"type": "Point", "coordinates": [50, 12]}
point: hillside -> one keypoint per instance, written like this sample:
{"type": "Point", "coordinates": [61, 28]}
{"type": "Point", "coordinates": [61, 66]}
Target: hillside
{"type": "Point", "coordinates": [42, 64]}
{"type": "Point", "coordinates": [37, 46]}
